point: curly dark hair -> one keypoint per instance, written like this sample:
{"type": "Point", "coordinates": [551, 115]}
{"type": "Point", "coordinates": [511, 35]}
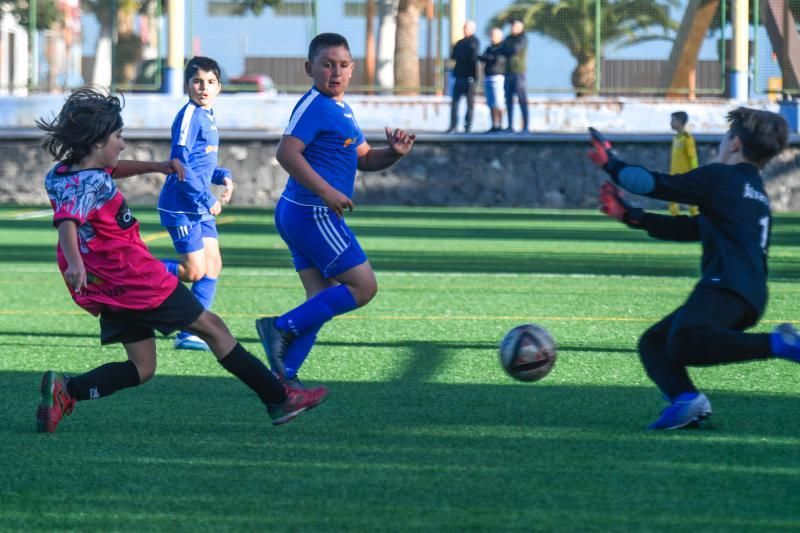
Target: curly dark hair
{"type": "Point", "coordinates": [88, 117]}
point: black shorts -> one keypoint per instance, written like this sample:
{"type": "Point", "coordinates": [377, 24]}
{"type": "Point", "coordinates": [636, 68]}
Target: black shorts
{"type": "Point", "coordinates": [180, 309]}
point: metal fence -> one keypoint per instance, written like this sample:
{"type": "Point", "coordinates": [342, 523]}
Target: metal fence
{"type": "Point", "coordinates": [583, 47]}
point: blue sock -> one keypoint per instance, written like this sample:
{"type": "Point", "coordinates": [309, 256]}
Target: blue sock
{"type": "Point", "coordinates": [298, 351]}
{"type": "Point", "coordinates": [204, 289]}
{"type": "Point", "coordinates": [317, 310]}
{"type": "Point", "coordinates": [171, 265]}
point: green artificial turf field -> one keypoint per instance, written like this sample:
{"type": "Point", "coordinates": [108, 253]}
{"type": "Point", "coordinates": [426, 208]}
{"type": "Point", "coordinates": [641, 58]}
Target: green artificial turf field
{"type": "Point", "coordinates": [422, 429]}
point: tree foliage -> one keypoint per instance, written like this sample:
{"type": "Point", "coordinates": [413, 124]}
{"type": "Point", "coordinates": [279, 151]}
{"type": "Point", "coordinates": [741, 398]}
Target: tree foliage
{"type": "Point", "coordinates": [47, 13]}
{"type": "Point", "coordinates": [573, 24]}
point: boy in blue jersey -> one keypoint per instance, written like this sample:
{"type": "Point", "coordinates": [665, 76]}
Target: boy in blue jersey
{"type": "Point", "coordinates": [734, 228]}
{"type": "Point", "coordinates": [321, 149]}
{"type": "Point", "coordinates": [187, 208]}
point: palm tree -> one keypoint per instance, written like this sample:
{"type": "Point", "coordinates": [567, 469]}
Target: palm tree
{"type": "Point", "coordinates": [572, 23]}
{"type": "Point", "coordinates": [406, 55]}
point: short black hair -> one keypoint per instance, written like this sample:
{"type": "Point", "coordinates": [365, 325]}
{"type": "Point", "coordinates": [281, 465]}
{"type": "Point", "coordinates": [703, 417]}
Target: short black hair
{"type": "Point", "coordinates": [682, 116]}
{"type": "Point", "coordinates": [89, 116]}
{"type": "Point", "coordinates": [325, 40]}
{"type": "Point", "coordinates": [763, 134]}
{"type": "Point", "coordinates": [200, 63]}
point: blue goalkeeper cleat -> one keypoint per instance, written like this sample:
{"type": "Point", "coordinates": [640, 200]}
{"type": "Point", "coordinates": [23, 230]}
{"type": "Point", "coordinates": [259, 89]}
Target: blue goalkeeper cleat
{"type": "Point", "coordinates": [687, 409]}
{"type": "Point", "coordinates": [185, 341]}
{"type": "Point", "coordinates": [785, 342]}
{"type": "Point", "coordinates": [275, 343]}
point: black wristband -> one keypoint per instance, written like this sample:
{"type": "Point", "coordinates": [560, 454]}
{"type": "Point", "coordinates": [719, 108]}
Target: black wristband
{"type": "Point", "coordinates": [634, 217]}
{"type": "Point", "coordinates": [614, 167]}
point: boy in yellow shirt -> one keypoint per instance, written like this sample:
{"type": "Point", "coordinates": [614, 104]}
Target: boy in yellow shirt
{"type": "Point", "coordinates": [684, 155]}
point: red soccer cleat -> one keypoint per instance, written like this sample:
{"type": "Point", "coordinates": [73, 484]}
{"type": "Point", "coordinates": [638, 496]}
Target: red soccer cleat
{"type": "Point", "coordinates": [56, 402]}
{"type": "Point", "coordinates": [297, 400]}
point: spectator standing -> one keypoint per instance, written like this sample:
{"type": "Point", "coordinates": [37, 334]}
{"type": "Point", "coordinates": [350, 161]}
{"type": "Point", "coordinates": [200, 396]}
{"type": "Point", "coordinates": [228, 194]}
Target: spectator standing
{"type": "Point", "coordinates": [465, 70]}
{"type": "Point", "coordinates": [515, 47]}
{"type": "Point", "coordinates": [494, 69]}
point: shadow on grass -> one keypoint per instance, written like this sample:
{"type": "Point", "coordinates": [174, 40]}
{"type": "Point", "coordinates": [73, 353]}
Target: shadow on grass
{"type": "Point", "coordinates": [198, 452]}
{"type": "Point", "coordinates": [436, 250]}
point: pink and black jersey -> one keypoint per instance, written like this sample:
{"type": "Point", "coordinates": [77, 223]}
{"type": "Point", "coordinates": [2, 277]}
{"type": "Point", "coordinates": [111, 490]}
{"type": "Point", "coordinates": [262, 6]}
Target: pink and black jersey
{"type": "Point", "coordinates": [121, 271]}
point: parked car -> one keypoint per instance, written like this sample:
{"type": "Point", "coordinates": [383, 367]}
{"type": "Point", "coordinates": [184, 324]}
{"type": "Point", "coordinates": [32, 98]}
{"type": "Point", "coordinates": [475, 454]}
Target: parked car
{"type": "Point", "coordinates": [259, 83]}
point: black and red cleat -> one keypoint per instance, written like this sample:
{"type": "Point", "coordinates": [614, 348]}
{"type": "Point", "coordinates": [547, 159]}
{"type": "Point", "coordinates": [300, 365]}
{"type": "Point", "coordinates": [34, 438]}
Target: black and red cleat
{"type": "Point", "coordinates": [297, 400]}
{"type": "Point", "coordinates": [56, 402]}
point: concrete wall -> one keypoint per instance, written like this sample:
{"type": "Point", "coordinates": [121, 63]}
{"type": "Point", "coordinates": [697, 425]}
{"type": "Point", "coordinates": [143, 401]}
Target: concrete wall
{"type": "Point", "coordinates": [463, 170]}
{"type": "Point", "coordinates": [416, 113]}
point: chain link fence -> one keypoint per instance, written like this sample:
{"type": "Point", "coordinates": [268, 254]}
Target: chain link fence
{"type": "Point", "coordinates": [776, 66]}
{"type": "Point", "coordinates": [575, 47]}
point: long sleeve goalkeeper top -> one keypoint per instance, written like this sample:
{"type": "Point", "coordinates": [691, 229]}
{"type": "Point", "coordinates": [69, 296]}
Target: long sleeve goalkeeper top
{"type": "Point", "coordinates": [733, 227]}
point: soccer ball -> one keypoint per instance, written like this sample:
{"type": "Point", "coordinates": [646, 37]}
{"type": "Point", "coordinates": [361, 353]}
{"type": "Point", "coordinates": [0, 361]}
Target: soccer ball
{"type": "Point", "coordinates": [528, 352]}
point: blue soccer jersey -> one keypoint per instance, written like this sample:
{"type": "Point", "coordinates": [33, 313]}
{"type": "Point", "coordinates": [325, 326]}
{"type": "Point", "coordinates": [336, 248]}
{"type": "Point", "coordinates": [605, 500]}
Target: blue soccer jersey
{"type": "Point", "coordinates": [195, 142]}
{"type": "Point", "coordinates": [331, 134]}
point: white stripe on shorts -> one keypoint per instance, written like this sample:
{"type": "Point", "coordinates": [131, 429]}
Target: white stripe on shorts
{"type": "Point", "coordinates": [334, 240]}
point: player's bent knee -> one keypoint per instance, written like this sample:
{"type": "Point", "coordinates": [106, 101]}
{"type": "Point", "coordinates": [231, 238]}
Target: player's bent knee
{"type": "Point", "coordinates": [647, 341]}
{"type": "Point", "coordinates": [681, 344]}
{"type": "Point", "coordinates": [213, 268]}
{"type": "Point", "coordinates": [209, 327]}
{"type": "Point", "coordinates": [193, 274]}
{"type": "Point", "coordinates": [146, 371]}
{"type": "Point", "coordinates": [363, 295]}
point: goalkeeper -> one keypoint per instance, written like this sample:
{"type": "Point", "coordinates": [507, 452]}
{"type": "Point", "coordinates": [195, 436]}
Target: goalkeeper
{"type": "Point", "coordinates": [734, 229]}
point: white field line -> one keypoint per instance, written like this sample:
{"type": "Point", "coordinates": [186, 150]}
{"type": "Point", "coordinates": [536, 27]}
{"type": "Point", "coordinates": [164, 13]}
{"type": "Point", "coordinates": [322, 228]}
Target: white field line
{"type": "Point", "coordinates": [24, 215]}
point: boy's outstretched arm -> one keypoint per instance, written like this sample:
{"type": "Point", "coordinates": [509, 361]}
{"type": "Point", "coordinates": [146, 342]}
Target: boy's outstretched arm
{"type": "Point", "coordinates": [126, 168]}
{"type": "Point", "coordinates": [663, 227]}
{"type": "Point", "coordinates": [290, 156]}
{"type": "Point", "coordinates": [75, 274]}
{"type": "Point", "coordinates": [372, 159]}
{"type": "Point", "coordinates": [694, 187]}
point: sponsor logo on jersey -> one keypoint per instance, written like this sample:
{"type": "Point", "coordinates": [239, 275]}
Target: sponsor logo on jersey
{"type": "Point", "coordinates": [349, 141]}
{"type": "Point", "coordinates": [125, 218]}
{"type": "Point", "coordinates": [753, 194]}
{"type": "Point", "coordinates": [210, 149]}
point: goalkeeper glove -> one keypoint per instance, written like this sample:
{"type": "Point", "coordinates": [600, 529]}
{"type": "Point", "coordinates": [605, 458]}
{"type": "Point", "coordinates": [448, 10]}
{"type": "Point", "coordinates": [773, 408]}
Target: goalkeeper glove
{"type": "Point", "coordinates": [603, 155]}
{"type": "Point", "coordinates": [613, 205]}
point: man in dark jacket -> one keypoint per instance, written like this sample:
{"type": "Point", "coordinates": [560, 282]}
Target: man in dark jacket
{"type": "Point", "coordinates": [515, 48]}
{"type": "Point", "coordinates": [465, 55]}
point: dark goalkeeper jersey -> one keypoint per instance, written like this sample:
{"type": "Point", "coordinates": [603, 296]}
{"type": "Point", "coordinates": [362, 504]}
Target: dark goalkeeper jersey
{"type": "Point", "coordinates": [733, 226]}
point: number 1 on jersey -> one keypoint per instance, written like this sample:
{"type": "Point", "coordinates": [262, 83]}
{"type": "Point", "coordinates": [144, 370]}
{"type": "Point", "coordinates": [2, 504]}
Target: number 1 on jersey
{"type": "Point", "coordinates": [764, 223]}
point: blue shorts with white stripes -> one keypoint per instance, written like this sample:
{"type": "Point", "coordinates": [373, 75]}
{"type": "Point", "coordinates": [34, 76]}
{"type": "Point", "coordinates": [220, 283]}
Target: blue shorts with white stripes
{"type": "Point", "coordinates": [188, 239]}
{"type": "Point", "coordinates": [317, 238]}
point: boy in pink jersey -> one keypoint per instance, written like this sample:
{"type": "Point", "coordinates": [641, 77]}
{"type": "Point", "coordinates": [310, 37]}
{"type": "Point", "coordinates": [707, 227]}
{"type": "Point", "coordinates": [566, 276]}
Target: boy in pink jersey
{"type": "Point", "coordinates": [111, 274]}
